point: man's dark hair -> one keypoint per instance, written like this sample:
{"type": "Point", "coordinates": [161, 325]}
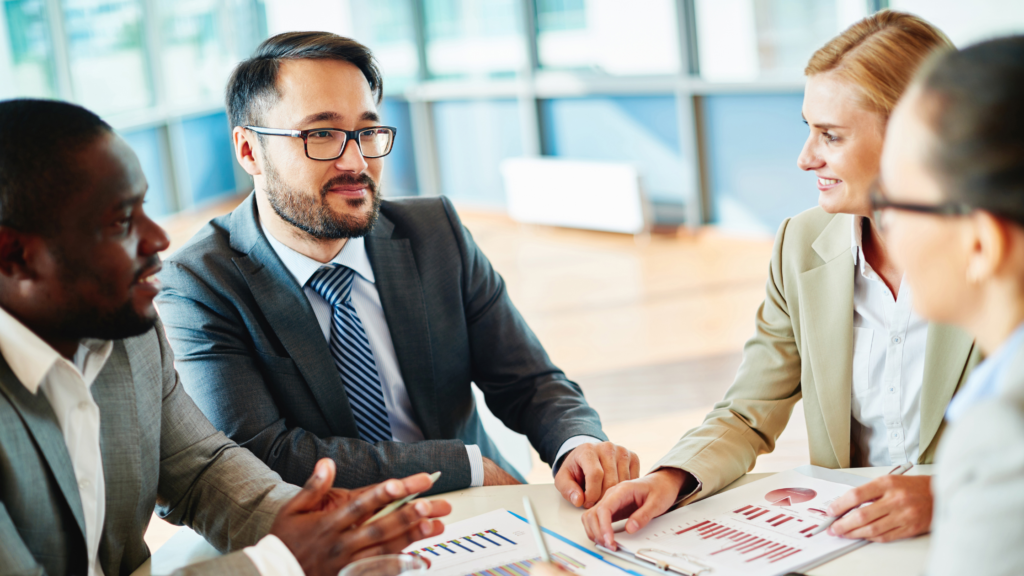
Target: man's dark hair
{"type": "Point", "coordinates": [252, 88]}
{"type": "Point", "coordinates": [979, 124]}
{"type": "Point", "coordinates": [39, 144]}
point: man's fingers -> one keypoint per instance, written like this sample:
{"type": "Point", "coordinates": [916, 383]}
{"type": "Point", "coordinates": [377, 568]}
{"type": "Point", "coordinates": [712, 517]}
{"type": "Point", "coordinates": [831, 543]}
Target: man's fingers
{"type": "Point", "coordinates": [610, 465]}
{"type": "Point", "coordinates": [871, 528]}
{"type": "Point", "coordinates": [424, 529]}
{"type": "Point", "coordinates": [622, 460]}
{"type": "Point", "coordinates": [634, 466]}
{"type": "Point", "coordinates": [366, 504]}
{"type": "Point", "coordinates": [567, 485]}
{"type": "Point", "coordinates": [313, 492]}
{"type": "Point", "coordinates": [417, 483]}
{"type": "Point", "coordinates": [857, 496]}
{"type": "Point", "coordinates": [593, 478]}
{"type": "Point", "coordinates": [859, 518]}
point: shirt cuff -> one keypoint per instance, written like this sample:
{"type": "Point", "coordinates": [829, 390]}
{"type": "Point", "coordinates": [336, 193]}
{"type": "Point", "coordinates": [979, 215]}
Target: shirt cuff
{"type": "Point", "coordinates": [568, 446]}
{"type": "Point", "coordinates": [476, 465]}
{"type": "Point", "coordinates": [272, 558]}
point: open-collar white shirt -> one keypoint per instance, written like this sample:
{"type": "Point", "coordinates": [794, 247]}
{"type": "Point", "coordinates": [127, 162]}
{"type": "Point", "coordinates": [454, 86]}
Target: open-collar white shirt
{"type": "Point", "coordinates": [889, 341]}
{"type": "Point", "coordinates": [66, 385]}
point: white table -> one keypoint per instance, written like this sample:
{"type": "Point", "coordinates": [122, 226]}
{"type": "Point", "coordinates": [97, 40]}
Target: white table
{"type": "Point", "coordinates": [906, 557]}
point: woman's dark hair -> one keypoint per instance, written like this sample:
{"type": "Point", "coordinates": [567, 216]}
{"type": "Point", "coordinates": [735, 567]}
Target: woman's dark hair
{"type": "Point", "coordinates": [253, 84]}
{"type": "Point", "coordinates": [979, 122]}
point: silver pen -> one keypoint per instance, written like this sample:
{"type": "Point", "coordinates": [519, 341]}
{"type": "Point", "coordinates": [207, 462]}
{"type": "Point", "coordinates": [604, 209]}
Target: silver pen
{"type": "Point", "coordinates": [897, 471]}
{"type": "Point", "coordinates": [538, 533]}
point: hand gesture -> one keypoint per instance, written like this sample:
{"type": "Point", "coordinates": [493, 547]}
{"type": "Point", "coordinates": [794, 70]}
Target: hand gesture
{"type": "Point", "coordinates": [322, 525]}
{"type": "Point", "coordinates": [590, 470]}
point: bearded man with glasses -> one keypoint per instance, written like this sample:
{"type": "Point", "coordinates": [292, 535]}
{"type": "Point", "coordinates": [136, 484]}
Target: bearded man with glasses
{"type": "Point", "coordinates": [319, 320]}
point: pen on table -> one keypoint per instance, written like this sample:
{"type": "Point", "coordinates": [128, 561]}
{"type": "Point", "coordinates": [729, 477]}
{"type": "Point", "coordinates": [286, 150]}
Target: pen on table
{"type": "Point", "coordinates": [538, 533]}
{"type": "Point", "coordinates": [897, 471]}
{"type": "Point", "coordinates": [399, 503]}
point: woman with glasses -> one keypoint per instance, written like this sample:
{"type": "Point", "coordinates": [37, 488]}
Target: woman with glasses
{"type": "Point", "coordinates": [836, 327]}
{"type": "Point", "coordinates": [953, 216]}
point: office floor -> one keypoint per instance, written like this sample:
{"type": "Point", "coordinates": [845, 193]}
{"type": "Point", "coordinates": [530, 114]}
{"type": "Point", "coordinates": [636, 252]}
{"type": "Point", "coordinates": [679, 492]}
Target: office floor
{"type": "Point", "coordinates": [651, 329]}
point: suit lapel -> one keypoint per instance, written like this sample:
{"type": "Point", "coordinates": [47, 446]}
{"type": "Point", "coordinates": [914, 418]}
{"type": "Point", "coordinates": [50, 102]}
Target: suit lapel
{"type": "Point", "coordinates": [401, 297]}
{"type": "Point", "coordinates": [115, 394]}
{"type": "Point", "coordinates": [36, 412]}
{"type": "Point", "coordinates": [291, 318]}
{"type": "Point", "coordinates": [827, 321]}
{"type": "Point", "coordinates": [946, 354]}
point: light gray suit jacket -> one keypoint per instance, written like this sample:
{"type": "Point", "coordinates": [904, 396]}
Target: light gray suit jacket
{"type": "Point", "coordinates": [158, 450]}
{"type": "Point", "coordinates": [978, 524]}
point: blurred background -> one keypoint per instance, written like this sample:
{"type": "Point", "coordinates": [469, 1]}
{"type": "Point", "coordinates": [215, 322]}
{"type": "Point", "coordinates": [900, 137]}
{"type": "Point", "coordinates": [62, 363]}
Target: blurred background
{"type": "Point", "coordinates": [698, 100]}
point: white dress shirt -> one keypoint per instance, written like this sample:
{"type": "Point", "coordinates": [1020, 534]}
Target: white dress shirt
{"type": "Point", "coordinates": [67, 386]}
{"type": "Point", "coordinates": [888, 367]}
{"type": "Point", "coordinates": [366, 301]}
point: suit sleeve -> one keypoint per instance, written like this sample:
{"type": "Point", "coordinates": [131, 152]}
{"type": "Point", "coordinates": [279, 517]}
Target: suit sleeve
{"type": "Point", "coordinates": [979, 494]}
{"type": "Point", "coordinates": [757, 407]}
{"type": "Point", "coordinates": [522, 387]}
{"type": "Point", "coordinates": [215, 356]}
{"type": "Point", "coordinates": [208, 482]}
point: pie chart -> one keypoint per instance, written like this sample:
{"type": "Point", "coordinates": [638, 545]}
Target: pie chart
{"type": "Point", "coordinates": [790, 496]}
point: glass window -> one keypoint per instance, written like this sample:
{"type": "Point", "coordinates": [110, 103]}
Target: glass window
{"type": "Point", "coordinates": [608, 36]}
{"type": "Point", "coordinates": [400, 164]}
{"type": "Point", "coordinates": [642, 130]}
{"type": "Point", "coordinates": [26, 53]}
{"type": "Point", "coordinates": [387, 28]}
{"type": "Point", "coordinates": [473, 137]}
{"type": "Point", "coordinates": [474, 38]}
{"type": "Point", "coordinates": [194, 53]}
{"type": "Point", "coordinates": [148, 145]}
{"type": "Point", "coordinates": [741, 40]}
{"type": "Point", "coordinates": [752, 142]}
{"type": "Point", "coordinates": [209, 157]}
{"type": "Point", "coordinates": [105, 48]}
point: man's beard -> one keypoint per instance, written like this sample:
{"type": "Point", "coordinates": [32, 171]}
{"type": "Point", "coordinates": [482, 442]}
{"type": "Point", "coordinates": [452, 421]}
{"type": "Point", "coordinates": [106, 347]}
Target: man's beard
{"type": "Point", "coordinates": [312, 215]}
{"type": "Point", "coordinates": [83, 319]}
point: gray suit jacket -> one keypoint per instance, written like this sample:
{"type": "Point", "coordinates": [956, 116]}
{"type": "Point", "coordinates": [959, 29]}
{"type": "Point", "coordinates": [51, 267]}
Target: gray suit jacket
{"type": "Point", "coordinates": [158, 450]}
{"type": "Point", "coordinates": [978, 524]}
{"type": "Point", "coordinates": [253, 357]}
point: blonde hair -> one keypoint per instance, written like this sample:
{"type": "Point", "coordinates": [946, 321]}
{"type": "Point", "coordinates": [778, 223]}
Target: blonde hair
{"type": "Point", "coordinates": [880, 55]}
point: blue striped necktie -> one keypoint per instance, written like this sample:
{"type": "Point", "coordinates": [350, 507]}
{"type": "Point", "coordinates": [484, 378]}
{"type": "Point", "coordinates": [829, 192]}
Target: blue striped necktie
{"type": "Point", "coordinates": [353, 358]}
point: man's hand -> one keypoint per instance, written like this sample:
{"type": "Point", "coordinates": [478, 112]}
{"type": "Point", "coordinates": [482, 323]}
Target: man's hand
{"type": "Point", "coordinates": [901, 508]}
{"type": "Point", "coordinates": [639, 500]}
{"type": "Point", "coordinates": [590, 470]}
{"type": "Point", "coordinates": [321, 525]}
{"type": "Point", "coordinates": [495, 475]}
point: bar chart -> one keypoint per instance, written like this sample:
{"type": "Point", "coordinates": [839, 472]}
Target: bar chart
{"type": "Point", "coordinates": [499, 543]}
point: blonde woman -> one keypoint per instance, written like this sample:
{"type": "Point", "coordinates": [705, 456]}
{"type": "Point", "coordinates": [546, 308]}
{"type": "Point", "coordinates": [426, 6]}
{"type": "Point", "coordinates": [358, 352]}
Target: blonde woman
{"type": "Point", "coordinates": [953, 214]}
{"type": "Point", "coordinates": [836, 327]}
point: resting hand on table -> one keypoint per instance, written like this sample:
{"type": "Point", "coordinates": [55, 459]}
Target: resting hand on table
{"type": "Point", "coordinates": [590, 470]}
{"type": "Point", "coordinates": [640, 500]}
{"type": "Point", "coordinates": [321, 524]}
{"type": "Point", "coordinates": [901, 508]}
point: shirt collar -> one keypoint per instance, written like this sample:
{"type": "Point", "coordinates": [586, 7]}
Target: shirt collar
{"type": "Point", "coordinates": [31, 358]}
{"type": "Point", "coordinates": [987, 378]}
{"type": "Point", "coordinates": [352, 255]}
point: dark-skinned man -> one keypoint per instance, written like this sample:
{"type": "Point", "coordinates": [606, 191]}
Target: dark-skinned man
{"type": "Point", "coordinates": [95, 427]}
{"type": "Point", "coordinates": [319, 320]}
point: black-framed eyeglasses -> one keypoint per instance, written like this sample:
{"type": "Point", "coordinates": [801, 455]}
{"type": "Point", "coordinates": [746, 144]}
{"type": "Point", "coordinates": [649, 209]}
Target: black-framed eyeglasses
{"type": "Point", "coordinates": [879, 203]}
{"type": "Point", "coordinates": [329, 143]}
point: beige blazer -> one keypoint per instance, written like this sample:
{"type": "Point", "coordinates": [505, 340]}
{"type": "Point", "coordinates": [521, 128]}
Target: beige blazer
{"type": "Point", "coordinates": [803, 348]}
{"type": "Point", "coordinates": [978, 525]}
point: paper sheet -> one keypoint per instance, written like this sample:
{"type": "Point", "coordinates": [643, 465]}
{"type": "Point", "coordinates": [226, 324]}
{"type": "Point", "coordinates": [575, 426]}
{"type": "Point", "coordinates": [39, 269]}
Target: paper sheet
{"type": "Point", "coordinates": [499, 543]}
{"type": "Point", "coordinates": [761, 529]}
